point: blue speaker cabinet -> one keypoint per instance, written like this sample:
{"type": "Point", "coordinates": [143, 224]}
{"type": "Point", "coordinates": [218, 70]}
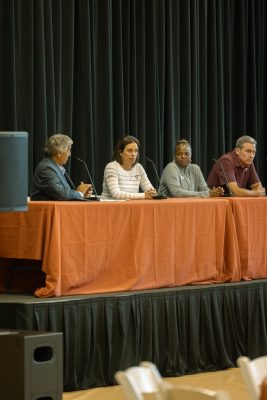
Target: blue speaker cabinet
{"type": "Point", "coordinates": [31, 365]}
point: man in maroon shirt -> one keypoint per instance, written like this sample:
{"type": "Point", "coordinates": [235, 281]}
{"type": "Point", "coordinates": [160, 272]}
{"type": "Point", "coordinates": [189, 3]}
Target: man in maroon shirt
{"type": "Point", "coordinates": [236, 172]}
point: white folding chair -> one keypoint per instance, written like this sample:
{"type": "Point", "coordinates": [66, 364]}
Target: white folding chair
{"type": "Point", "coordinates": [153, 368]}
{"type": "Point", "coordinates": [253, 372]}
{"type": "Point", "coordinates": [186, 392]}
{"type": "Point", "coordinates": [140, 382]}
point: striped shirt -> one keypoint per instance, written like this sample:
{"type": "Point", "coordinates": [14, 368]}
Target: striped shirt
{"type": "Point", "coordinates": [123, 184]}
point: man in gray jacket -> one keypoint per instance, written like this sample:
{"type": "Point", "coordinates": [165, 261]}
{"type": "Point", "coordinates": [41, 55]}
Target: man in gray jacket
{"type": "Point", "coordinates": [180, 178]}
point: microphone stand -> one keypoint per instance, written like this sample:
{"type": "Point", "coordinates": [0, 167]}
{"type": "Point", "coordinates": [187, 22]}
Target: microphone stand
{"type": "Point", "coordinates": [157, 197]}
{"type": "Point", "coordinates": [96, 197]}
{"type": "Point", "coordinates": [225, 177]}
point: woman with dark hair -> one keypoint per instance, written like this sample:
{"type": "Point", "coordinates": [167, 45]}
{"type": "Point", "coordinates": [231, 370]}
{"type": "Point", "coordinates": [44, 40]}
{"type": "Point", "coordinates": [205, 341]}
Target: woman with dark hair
{"type": "Point", "coordinates": [124, 175]}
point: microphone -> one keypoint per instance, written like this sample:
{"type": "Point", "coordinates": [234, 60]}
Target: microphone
{"type": "Point", "coordinates": [157, 197]}
{"type": "Point", "coordinates": [225, 177]}
{"type": "Point", "coordinates": [96, 197]}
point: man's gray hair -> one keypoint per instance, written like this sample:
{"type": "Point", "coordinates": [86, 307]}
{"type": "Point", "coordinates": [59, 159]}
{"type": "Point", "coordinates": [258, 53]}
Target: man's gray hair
{"type": "Point", "coordinates": [245, 139]}
{"type": "Point", "coordinates": [57, 144]}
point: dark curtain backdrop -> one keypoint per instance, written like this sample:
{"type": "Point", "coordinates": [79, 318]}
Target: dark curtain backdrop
{"type": "Point", "coordinates": [157, 69]}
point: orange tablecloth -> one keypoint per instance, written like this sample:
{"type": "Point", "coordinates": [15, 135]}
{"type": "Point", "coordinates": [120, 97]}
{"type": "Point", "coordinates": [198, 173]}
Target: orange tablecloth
{"type": "Point", "coordinates": [250, 215]}
{"type": "Point", "coordinates": [119, 246]}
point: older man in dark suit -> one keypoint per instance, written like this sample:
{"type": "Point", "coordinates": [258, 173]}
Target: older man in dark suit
{"type": "Point", "coordinates": [50, 181]}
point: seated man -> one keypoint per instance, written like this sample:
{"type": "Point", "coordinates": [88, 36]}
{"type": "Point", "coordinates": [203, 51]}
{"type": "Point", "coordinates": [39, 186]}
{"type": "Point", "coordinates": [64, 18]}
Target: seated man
{"type": "Point", "coordinates": [236, 172]}
{"type": "Point", "coordinates": [180, 178]}
{"type": "Point", "coordinates": [50, 180]}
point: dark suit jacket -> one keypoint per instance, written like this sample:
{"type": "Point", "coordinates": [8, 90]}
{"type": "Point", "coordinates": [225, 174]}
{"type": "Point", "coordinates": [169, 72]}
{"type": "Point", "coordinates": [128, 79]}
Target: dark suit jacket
{"type": "Point", "coordinates": [50, 183]}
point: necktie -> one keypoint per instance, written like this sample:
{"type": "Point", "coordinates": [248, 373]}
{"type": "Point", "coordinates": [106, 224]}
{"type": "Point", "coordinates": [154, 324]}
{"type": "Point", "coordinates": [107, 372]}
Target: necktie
{"type": "Point", "coordinates": [67, 178]}
{"type": "Point", "coordinates": [71, 184]}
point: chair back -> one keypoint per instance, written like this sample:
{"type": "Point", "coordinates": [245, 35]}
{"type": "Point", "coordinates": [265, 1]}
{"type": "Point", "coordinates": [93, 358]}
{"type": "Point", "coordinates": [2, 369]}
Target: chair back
{"type": "Point", "coordinates": [140, 382]}
{"type": "Point", "coordinates": [254, 372]}
{"type": "Point", "coordinates": [153, 368]}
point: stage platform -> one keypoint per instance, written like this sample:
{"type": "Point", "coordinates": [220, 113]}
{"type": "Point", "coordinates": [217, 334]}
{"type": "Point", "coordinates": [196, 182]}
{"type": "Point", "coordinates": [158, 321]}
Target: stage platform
{"type": "Point", "coordinates": [183, 330]}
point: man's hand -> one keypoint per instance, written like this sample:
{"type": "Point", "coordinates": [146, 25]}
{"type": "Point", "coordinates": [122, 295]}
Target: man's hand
{"type": "Point", "coordinates": [259, 191]}
{"type": "Point", "coordinates": [255, 190]}
{"type": "Point", "coordinates": [86, 189]}
{"type": "Point", "coordinates": [150, 193]}
{"type": "Point", "coordinates": [216, 192]}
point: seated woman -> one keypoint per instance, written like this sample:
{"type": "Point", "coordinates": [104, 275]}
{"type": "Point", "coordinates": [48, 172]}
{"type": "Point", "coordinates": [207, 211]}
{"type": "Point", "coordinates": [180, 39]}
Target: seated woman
{"type": "Point", "coordinates": [50, 180]}
{"type": "Point", "coordinates": [124, 175]}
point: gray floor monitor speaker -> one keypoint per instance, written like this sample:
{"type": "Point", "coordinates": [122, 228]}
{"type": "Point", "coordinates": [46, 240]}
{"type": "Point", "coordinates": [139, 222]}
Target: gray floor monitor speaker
{"type": "Point", "coordinates": [31, 365]}
{"type": "Point", "coordinates": [14, 171]}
